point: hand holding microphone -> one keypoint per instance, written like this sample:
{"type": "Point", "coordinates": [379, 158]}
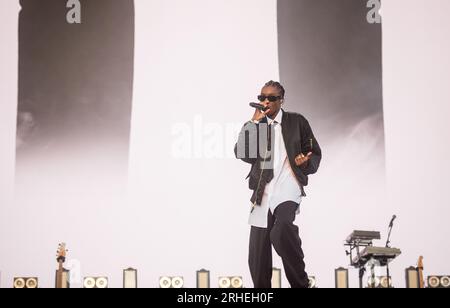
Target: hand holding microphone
{"type": "Point", "coordinates": [260, 112]}
{"type": "Point", "coordinates": [258, 106]}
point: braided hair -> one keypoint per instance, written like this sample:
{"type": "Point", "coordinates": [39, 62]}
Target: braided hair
{"type": "Point", "coordinates": [277, 85]}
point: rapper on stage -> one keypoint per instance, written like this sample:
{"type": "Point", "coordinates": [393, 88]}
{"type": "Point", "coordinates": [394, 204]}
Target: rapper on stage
{"type": "Point", "coordinates": [282, 152]}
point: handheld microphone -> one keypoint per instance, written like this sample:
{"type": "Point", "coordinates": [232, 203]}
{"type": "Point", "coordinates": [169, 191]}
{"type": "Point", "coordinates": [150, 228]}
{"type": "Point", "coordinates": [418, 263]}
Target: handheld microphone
{"type": "Point", "coordinates": [392, 220]}
{"type": "Point", "coordinates": [259, 106]}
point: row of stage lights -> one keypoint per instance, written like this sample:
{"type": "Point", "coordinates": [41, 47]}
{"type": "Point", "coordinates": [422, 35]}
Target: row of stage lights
{"type": "Point", "coordinates": [130, 280]}
{"type": "Point", "coordinates": [167, 282]}
{"type": "Point", "coordinates": [383, 282]}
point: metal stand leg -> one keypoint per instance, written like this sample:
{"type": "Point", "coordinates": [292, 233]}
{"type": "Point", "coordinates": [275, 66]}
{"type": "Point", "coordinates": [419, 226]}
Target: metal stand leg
{"type": "Point", "coordinates": [361, 276]}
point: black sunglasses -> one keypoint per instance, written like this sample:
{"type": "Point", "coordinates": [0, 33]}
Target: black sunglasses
{"type": "Point", "coordinates": [271, 98]}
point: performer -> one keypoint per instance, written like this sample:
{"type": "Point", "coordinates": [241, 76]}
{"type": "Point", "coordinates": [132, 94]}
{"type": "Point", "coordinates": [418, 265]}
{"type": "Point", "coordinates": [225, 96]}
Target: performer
{"type": "Point", "coordinates": [282, 151]}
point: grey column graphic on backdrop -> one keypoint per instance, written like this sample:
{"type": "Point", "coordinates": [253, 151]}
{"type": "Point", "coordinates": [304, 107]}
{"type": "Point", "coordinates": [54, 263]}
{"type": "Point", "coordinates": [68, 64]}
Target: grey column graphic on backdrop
{"type": "Point", "coordinates": [75, 81]}
{"type": "Point", "coordinates": [330, 60]}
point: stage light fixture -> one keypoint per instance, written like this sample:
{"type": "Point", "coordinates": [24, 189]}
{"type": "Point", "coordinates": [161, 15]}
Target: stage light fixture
{"type": "Point", "coordinates": [434, 282]}
{"type": "Point", "coordinates": [379, 282]}
{"type": "Point", "coordinates": [25, 283]}
{"type": "Point", "coordinates": [438, 282]}
{"type": "Point", "coordinates": [276, 278]}
{"type": "Point", "coordinates": [177, 282]}
{"type": "Point", "coordinates": [203, 279]}
{"type": "Point", "coordinates": [235, 282]}
{"type": "Point", "coordinates": [341, 278]}
{"type": "Point", "coordinates": [89, 283]}
{"type": "Point", "coordinates": [385, 282]}
{"type": "Point", "coordinates": [19, 283]}
{"type": "Point", "coordinates": [166, 282]}
{"type": "Point", "coordinates": [373, 282]}
{"type": "Point", "coordinates": [101, 283]}
{"type": "Point", "coordinates": [224, 282]}
{"type": "Point", "coordinates": [412, 278]}
{"type": "Point", "coordinates": [130, 278]}
{"type": "Point", "coordinates": [312, 282]}
{"type": "Point", "coordinates": [95, 283]}
{"type": "Point", "coordinates": [445, 282]}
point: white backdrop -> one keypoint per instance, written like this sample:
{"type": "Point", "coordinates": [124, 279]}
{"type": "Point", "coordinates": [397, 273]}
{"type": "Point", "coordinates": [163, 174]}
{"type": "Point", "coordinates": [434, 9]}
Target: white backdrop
{"type": "Point", "coordinates": [8, 100]}
{"type": "Point", "coordinates": [198, 64]}
{"type": "Point", "coordinates": [416, 76]}
{"type": "Point", "coordinates": [8, 109]}
{"type": "Point", "coordinates": [187, 202]}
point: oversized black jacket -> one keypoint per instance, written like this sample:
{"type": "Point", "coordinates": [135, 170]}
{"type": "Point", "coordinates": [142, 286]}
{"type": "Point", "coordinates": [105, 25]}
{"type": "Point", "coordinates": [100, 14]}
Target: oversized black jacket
{"type": "Point", "coordinates": [298, 138]}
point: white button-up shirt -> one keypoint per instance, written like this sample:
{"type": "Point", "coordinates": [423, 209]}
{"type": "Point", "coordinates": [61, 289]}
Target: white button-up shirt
{"type": "Point", "coordinates": [284, 185]}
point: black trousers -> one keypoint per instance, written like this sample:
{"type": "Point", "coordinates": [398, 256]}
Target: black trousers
{"type": "Point", "coordinates": [283, 235]}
